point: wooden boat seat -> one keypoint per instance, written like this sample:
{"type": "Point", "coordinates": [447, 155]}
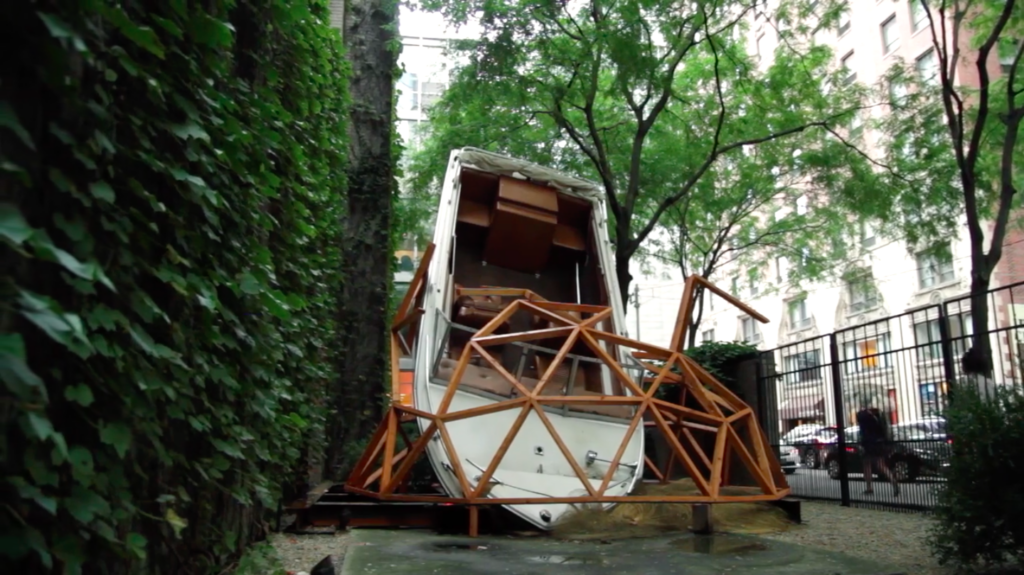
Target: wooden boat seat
{"type": "Point", "coordinates": [489, 380]}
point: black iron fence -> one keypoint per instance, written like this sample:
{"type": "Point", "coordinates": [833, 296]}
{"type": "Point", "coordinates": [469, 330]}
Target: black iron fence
{"type": "Point", "coordinates": [903, 366]}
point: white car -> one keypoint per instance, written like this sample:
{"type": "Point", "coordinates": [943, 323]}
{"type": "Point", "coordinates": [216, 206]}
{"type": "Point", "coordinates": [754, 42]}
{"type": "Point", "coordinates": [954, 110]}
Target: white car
{"type": "Point", "coordinates": [789, 457]}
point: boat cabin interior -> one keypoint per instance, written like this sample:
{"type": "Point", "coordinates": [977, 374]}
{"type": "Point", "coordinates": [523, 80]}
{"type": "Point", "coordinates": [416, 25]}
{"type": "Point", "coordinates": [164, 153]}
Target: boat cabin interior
{"type": "Point", "coordinates": [515, 234]}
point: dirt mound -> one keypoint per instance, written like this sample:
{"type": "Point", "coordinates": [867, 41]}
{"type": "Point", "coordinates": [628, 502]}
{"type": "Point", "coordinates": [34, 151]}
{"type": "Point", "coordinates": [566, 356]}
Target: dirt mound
{"type": "Point", "coordinates": [627, 520]}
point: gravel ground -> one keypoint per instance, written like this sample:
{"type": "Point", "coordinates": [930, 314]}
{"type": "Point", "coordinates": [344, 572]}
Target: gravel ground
{"type": "Point", "coordinates": [896, 539]}
{"type": "Point", "coordinates": [300, 553]}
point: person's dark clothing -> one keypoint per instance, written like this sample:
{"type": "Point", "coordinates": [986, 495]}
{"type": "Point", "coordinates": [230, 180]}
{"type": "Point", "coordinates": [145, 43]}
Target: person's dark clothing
{"type": "Point", "coordinates": [872, 433]}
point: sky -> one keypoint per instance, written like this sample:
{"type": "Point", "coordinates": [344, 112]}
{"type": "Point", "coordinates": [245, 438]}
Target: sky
{"type": "Point", "coordinates": [416, 23]}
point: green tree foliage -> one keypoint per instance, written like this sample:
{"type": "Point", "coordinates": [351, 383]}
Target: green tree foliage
{"type": "Point", "coordinates": [949, 142]}
{"type": "Point", "coordinates": [980, 515]}
{"type": "Point", "coordinates": [172, 177]}
{"type": "Point", "coordinates": [648, 98]}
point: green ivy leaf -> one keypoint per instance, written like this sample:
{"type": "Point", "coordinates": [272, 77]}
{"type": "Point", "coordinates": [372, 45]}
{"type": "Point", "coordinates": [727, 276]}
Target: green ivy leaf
{"type": "Point", "coordinates": [136, 543]}
{"type": "Point", "coordinates": [82, 466]}
{"type": "Point", "coordinates": [48, 251]}
{"type": "Point", "coordinates": [230, 449]}
{"type": "Point", "coordinates": [249, 284]}
{"type": "Point", "coordinates": [18, 378]}
{"type": "Point", "coordinates": [102, 191]}
{"type": "Point", "coordinates": [57, 27]}
{"type": "Point", "coordinates": [275, 304]}
{"type": "Point", "coordinates": [84, 504]}
{"type": "Point", "coordinates": [60, 449]}
{"type": "Point", "coordinates": [13, 226]}
{"type": "Point", "coordinates": [33, 493]}
{"type": "Point", "coordinates": [118, 436]}
{"type": "Point", "coordinates": [69, 549]}
{"type": "Point", "coordinates": [190, 130]}
{"type": "Point", "coordinates": [80, 394]}
{"type": "Point", "coordinates": [40, 470]}
{"type": "Point", "coordinates": [16, 543]}
{"type": "Point", "coordinates": [176, 522]}
{"type": "Point", "coordinates": [39, 425]}
{"type": "Point", "coordinates": [9, 120]}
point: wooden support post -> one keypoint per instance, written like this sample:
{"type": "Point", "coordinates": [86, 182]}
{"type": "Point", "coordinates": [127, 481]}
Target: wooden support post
{"type": "Point", "coordinates": [702, 524]}
{"type": "Point", "coordinates": [474, 521]}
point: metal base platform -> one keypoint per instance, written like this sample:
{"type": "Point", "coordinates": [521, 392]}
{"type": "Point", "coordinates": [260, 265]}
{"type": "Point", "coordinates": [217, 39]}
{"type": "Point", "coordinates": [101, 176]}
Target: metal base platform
{"type": "Point", "coordinates": [333, 507]}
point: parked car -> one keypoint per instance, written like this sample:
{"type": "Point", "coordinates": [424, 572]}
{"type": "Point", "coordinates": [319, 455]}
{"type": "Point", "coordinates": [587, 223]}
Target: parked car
{"type": "Point", "coordinates": [812, 447]}
{"type": "Point", "coordinates": [789, 457]}
{"type": "Point", "coordinates": [914, 453]}
{"type": "Point", "coordinates": [799, 432]}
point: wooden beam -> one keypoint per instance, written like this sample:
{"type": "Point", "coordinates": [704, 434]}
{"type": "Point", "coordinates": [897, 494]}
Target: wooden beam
{"type": "Point", "coordinates": [416, 284]}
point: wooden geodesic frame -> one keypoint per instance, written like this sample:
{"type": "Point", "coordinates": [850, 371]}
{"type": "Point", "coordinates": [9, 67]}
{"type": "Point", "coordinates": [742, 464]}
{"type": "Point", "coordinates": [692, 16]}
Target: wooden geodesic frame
{"type": "Point", "coordinates": [383, 471]}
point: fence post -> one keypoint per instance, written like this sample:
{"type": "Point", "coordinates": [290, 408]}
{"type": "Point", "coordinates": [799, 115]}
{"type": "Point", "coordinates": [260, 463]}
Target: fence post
{"type": "Point", "coordinates": [946, 343]}
{"type": "Point", "coordinates": [837, 399]}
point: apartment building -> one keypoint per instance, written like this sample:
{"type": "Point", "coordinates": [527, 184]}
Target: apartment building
{"type": "Point", "coordinates": [886, 279]}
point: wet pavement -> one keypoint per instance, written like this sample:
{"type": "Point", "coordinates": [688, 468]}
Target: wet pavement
{"type": "Point", "coordinates": [421, 552]}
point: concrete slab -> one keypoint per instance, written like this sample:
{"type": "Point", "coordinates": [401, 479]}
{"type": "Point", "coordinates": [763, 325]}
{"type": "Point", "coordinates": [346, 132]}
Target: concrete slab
{"type": "Point", "coordinates": [420, 552]}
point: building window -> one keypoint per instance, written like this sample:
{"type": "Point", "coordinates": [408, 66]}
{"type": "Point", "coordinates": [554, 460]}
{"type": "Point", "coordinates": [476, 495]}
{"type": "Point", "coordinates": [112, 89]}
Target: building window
{"type": "Point", "coordinates": [781, 269]}
{"type": "Point", "coordinates": [868, 235]}
{"type": "Point", "coordinates": [934, 268]}
{"type": "Point", "coordinates": [961, 329]}
{"type": "Point", "coordinates": [918, 15]}
{"type": "Point", "coordinates": [409, 86]}
{"type": "Point", "coordinates": [801, 205]}
{"type": "Point", "coordinates": [735, 285]}
{"type": "Point", "coordinates": [803, 367]}
{"type": "Point", "coordinates": [928, 67]}
{"type": "Point", "coordinates": [754, 286]}
{"type": "Point", "coordinates": [844, 21]}
{"type": "Point", "coordinates": [750, 333]}
{"type": "Point", "coordinates": [849, 74]}
{"type": "Point", "coordinates": [863, 295]}
{"type": "Point", "coordinates": [432, 92]}
{"type": "Point", "coordinates": [867, 354]}
{"type": "Point", "coordinates": [890, 35]}
{"type": "Point", "coordinates": [930, 399]}
{"type": "Point", "coordinates": [856, 125]}
{"type": "Point", "coordinates": [897, 92]}
{"type": "Point", "coordinates": [707, 335]}
{"type": "Point", "coordinates": [798, 316]}
{"type": "Point", "coordinates": [1007, 54]}
{"type": "Point", "coordinates": [927, 336]}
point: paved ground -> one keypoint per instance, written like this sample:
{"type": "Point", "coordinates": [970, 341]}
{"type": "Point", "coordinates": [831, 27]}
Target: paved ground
{"type": "Point", "coordinates": [815, 483]}
{"type": "Point", "coordinates": [409, 552]}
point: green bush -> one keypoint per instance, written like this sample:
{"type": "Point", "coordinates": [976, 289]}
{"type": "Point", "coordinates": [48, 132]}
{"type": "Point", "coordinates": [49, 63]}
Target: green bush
{"type": "Point", "coordinates": [171, 176]}
{"type": "Point", "coordinates": [718, 358]}
{"type": "Point", "coordinates": [981, 506]}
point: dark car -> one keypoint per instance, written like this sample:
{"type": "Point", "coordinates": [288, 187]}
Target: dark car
{"type": "Point", "coordinates": [814, 446]}
{"type": "Point", "coordinates": [913, 454]}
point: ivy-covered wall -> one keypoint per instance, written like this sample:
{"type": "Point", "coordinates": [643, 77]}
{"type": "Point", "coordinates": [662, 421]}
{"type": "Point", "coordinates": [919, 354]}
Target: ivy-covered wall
{"type": "Point", "coordinates": [171, 181]}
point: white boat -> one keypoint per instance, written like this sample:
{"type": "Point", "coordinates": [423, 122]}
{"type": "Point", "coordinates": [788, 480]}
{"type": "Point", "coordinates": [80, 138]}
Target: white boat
{"type": "Point", "coordinates": [508, 223]}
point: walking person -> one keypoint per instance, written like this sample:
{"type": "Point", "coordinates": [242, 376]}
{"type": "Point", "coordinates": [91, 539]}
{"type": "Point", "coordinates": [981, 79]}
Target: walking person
{"type": "Point", "coordinates": [875, 443]}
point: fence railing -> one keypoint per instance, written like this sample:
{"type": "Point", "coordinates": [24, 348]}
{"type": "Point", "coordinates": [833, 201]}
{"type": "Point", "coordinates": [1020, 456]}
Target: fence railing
{"type": "Point", "coordinates": [905, 366]}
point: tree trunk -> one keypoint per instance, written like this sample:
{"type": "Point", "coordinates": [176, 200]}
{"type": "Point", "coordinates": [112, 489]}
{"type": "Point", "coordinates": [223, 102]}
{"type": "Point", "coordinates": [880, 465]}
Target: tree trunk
{"type": "Point", "coordinates": [696, 316]}
{"type": "Point", "coordinates": [366, 253]}
{"type": "Point", "coordinates": [978, 359]}
{"type": "Point", "coordinates": [622, 256]}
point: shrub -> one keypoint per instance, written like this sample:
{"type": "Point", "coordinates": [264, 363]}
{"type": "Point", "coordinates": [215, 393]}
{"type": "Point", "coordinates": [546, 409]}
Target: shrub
{"type": "Point", "coordinates": [171, 175]}
{"type": "Point", "coordinates": [981, 507]}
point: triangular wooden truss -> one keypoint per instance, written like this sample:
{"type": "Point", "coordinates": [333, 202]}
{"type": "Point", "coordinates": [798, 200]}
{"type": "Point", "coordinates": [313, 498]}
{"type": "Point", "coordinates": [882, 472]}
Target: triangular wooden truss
{"type": "Point", "coordinates": [384, 468]}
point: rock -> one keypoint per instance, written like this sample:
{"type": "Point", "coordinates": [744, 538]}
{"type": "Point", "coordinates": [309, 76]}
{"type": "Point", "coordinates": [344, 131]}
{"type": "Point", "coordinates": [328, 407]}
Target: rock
{"type": "Point", "coordinates": [324, 567]}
